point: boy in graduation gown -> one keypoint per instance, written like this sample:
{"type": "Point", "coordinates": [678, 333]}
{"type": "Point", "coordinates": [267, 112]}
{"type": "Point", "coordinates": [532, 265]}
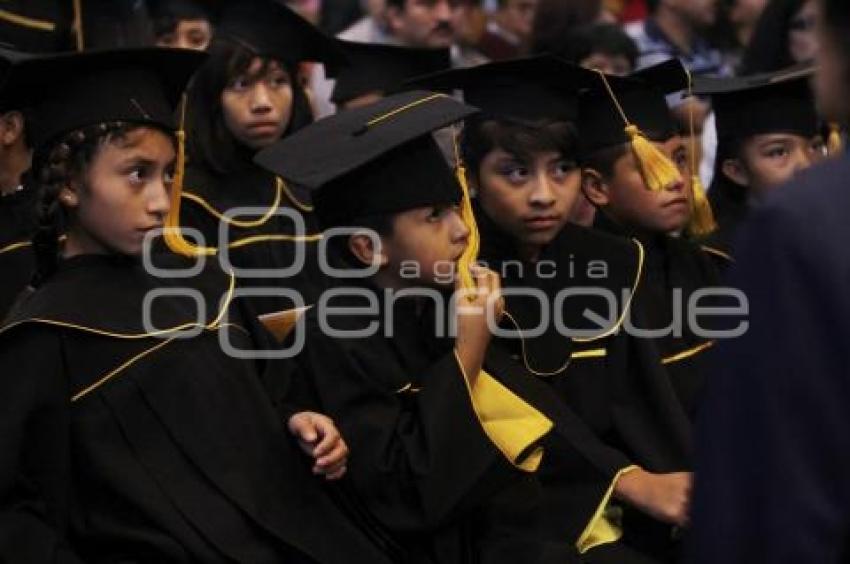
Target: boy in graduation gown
{"type": "Point", "coordinates": [767, 131]}
{"type": "Point", "coordinates": [521, 154]}
{"type": "Point", "coordinates": [637, 171]}
{"type": "Point", "coordinates": [129, 431]}
{"type": "Point", "coordinates": [17, 201]}
{"type": "Point", "coordinates": [445, 450]}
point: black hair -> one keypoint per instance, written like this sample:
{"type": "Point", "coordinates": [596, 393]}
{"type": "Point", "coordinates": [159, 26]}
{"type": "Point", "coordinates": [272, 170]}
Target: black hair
{"type": "Point", "coordinates": [836, 18]}
{"type": "Point", "coordinates": [396, 4]}
{"type": "Point", "coordinates": [55, 166]}
{"type": "Point", "coordinates": [209, 141]}
{"type": "Point", "coordinates": [586, 40]}
{"type": "Point", "coordinates": [603, 160]}
{"type": "Point", "coordinates": [768, 49]}
{"type": "Point", "coordinates": [652, 5]}
{"type": "Point", "coordinates": [520, 138]}
{"type": "Point", "coordinates": [554, 19]}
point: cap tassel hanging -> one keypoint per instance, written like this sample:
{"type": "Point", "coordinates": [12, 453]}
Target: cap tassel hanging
{"type": "Point", "coordinates": [702, 221]}
{"type": "Point", "coordinates": [657, 170]}
{"type": "Point", "coordinates": [172, 233]}
{"type": "Point", "coordinates": [470, 254]}
{"type": "Point", "coordinates": [834, 141]}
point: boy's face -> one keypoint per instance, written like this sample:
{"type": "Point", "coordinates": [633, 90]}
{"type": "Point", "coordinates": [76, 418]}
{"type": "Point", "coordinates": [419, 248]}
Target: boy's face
{"type": "Point", "coordinates": [530, 198]}
{"type": "Point", "coordinates": [769, 160]}
{"type": "Point", "coordinates": [626, 199]}
{"type": "Point", "coordinates": [431, 238]}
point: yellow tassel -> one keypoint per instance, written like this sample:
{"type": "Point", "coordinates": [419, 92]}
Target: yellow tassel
{"type": "Point", "coordinates": [702, 217]}
{"type": "Point", "coordinates": [470, 254]}
{"type": "Point", "coordinates": [834, 142]}
{"type": "Point", "coordinates": [172, 233]}
{"type": "Point", "coordinates": [657, 170]}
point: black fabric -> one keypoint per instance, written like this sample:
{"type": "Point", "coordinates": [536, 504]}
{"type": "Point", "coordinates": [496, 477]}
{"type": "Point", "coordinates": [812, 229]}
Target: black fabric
{"type": "Point", "coordinates": [773, 438]}
{"type": "Point", "coordinates": [379, 159]}
{"type": "Point", "coordinates": [424, 468]}
{"type": "Point", "coordinates": [269, 28]}
{"type": "Point", "coordinates": [180, 456]}
{"type": "Point", "coordinates": [375, 68]}
{"type": "Point", "coordinates": [628, 412]}
{"type": "Point", "coordinates": [132, 85]}
{"type": "Point", "coordinates": [184, 9]}
{"type": "Point", "coordinates": [730, 203]}
{"type": "Point", "coordinates": [641, 97]}
{"type": "Point", "coordinates": [543, 87]}
{"type": "Point", "coordinates": [267, 246]}
{"type": "Point", "coordinates": [778, 102]}
{"type": "Point", "coordinates": [17, 261]}
{"type": "Point", "coordinates": [45, 28]}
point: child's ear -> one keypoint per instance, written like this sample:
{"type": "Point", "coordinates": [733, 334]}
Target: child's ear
{"type": "Point", "coordinates": [735, 171]}
{"type": "Point", "coordinates": [367, 247]}
{"type": "Point", "coordinates": [11, 127]}
{"type": "Point", "coordinates": [595, 188]}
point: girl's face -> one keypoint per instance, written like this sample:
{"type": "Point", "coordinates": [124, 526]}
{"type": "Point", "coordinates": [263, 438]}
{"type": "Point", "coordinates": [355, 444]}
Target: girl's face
{"type": "Point", "coordinates": [802, 36]}
{"type": "Point", "coordinates": [257, 105]}
{"type": "Point", "coordinates": [530, 198]}
{"type": "Point", "coordinates": [123, 195]}
{"type": "Point", "coordinates": [769, 160]}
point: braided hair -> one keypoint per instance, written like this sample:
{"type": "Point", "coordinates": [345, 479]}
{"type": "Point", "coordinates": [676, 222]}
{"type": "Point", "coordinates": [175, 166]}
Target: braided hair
{"type": "Point", "coordinates": [55, 166]}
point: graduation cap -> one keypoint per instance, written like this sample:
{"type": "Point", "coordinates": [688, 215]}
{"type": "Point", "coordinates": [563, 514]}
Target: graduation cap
{"type": "Point", "coordinates": [633, 110]}
{"type": "Point", "coordinates": [185, 9]}
{"type": "Point", "coordinates": [382, 68]}
{"type": "Point", "coordinates": [543, 87]}
{"type": "Point", "coordinates": [765, 103]}
{"type": "Point", "coordinates": [375, 160]}
{"type": "Point", "coordinates": [140, 86]}
{"type": "Point", "coordinates": [9, 58]}
{"type": "Point", "coordinates": [379, 159]}
{"type": "Point", "coordinates": [269, 28]}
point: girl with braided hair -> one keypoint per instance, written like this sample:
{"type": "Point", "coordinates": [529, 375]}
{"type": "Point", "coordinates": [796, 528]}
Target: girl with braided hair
{"type": "Point", "coordinates": [137, 429]}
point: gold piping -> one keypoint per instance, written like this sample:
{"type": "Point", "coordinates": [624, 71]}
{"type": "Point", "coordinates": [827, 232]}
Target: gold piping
{"type": "Point", "coordinates": [717, 252]}
{"type": "Point", "coordinates": [216, 323]}
{"type": "Point", "coordinates": [404, 108]}
{"type": "Point", "coordinates": [307, 208]}
{"type": "Point", "coordinates": [628, 304]}
{"type": "Point", "coordinates": [592, 353]}
{"type": "Point", "coordinates": [78, 25]}
{"type": "Point", "coordinates": [23, 21]}
{"type": "Point", "coordinates": [15, 246]}
{"type": "Point", "coordinates": [688, 353]}
{"type": "Point", "coordinates": [279, 187]}
{"type": "Point", "coordinates": [263, 238]}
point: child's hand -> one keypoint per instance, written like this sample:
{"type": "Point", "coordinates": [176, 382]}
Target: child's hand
{"type": "Point", "coordinates": [318, 437]}
{"type": "Point", "coordinates": [665, 497]}
{"type": "Point", "coordinates": [473, 332]}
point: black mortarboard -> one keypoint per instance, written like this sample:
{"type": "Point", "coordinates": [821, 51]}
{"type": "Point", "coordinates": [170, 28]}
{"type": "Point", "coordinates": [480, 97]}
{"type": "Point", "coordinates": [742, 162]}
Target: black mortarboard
{"type": "Point", "coordinates": [777, 102]}
{"type": "Point", "coordinates": [544, 87]}
{"type": "Point", "coordinates": [36, 26]}
{"type": "Point", "coordinates": [269, 28]}
{"type": "Point", "coordinates": [611, 104]}
{"type": "Point", "coordinates": [382, 68]}
{"type": "Point", "coordinates": [134, 85]}
{"type": "Point", "coordinates": [185, 9]}
{"type": "Point", "coordinates": [375, 160]}
{"type": "Point", "coordinates": [9, 58]}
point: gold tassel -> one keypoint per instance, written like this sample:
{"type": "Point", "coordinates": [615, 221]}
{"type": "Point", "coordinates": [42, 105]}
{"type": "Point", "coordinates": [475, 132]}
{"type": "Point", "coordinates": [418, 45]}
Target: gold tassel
{"type": "Point", "coordinates": [470, 254]}
{"type": "Point", "coordinates": [702, 217]}
{"type": "Point", "coordinates": [834, 141]}
{"type": "Point", "coordinates": [657, 170]}
{"type": "Point", "coordinates": [172, 233]}
{"type": "Point", "coordinates": [702, 221]}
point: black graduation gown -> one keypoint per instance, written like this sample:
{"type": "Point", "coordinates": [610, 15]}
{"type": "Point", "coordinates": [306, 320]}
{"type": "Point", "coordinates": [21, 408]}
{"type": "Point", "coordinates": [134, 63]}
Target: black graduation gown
{"type": "Point", "coordinates": [268, 245]}
{"type": "Point", "coordinates": [773, 448]}
{"type": "Point", "coordinates": [119, 446]}
{"type": "Point", "coordinates": [17, 261]}
{"type": "Point", "coordinates": [730, 204]}
{"type": "Point", "coordinates": [629, 413]}
{"type": "Point", "coordinates": [677, 263]}
{"type": "Point", "coordinates": [422, 466]}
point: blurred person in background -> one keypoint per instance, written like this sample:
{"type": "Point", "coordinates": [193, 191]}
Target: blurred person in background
{"type": "Point", "coordinates": [509, 30]}
{"type": "Point", "coordinates": [784, 35]}
{"type": "Point", "coordinates": [555, 19]}
{"type": "Point", "coordinates": [188, 24]}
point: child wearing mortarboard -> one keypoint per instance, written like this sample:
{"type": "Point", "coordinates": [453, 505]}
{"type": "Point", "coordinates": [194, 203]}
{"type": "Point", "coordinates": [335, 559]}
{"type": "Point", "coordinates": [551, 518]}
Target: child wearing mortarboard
{"type": "Point", "coordinates": [447, 445]}
{"type": "Point", "coordinates": [246, 96]}
{"type": "Point", "coordinates": [129, 431]}
{"type": "Point", "coordinates": [521, 155]}
{"type": "Point", "coordinates": [768, 131]}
